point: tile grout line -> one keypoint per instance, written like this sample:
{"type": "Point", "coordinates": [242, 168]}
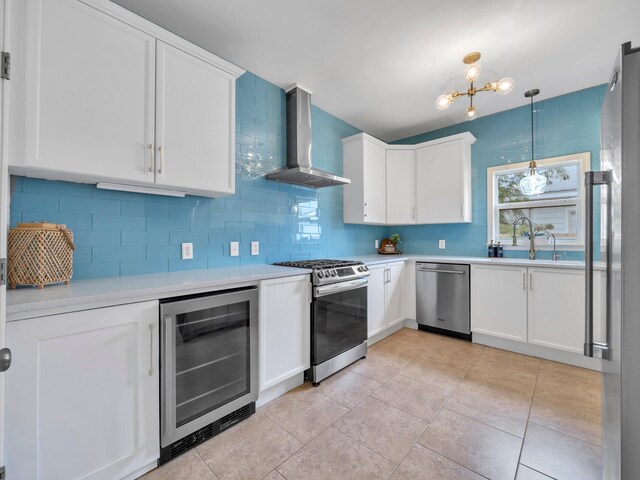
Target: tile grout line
{"type": "Point", "coordinates": [524, 435]}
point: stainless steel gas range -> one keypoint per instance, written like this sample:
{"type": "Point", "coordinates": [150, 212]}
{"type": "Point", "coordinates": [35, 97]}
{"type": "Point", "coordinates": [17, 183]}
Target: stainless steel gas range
{"type": "Point", "coordinates": [338, 315]}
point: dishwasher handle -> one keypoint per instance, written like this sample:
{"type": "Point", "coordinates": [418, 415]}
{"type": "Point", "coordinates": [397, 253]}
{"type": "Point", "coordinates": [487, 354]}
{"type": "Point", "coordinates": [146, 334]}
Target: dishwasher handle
{"type": "Point", "coordinates": [454, 272]}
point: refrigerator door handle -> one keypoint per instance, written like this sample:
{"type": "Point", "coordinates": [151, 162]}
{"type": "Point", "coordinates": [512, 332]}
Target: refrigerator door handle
{"type": "Point", "coordinates": [592, 348]}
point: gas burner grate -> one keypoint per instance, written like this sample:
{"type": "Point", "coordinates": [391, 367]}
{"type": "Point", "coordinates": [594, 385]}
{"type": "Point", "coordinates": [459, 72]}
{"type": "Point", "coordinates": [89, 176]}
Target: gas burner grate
{"type": "Point", "coordinates": [317, 264]}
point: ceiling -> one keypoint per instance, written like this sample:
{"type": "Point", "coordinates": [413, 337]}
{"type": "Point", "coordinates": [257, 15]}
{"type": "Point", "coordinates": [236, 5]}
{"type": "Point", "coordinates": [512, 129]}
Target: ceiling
{"type": "Point", "coordinates": [379, 65]}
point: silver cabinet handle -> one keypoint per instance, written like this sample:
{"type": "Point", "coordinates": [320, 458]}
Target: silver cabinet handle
{"type": "Point", "coordinates": [152, 158]}
{"type": "Point", "coordinates": [365, 209]}
{"type": "Point", "coordinates": [530, 281]}
{"type": "Point", "coordinates": [413, 213]}
{"type": "Point", "coordinates": [524, 281]}
{"type": "Point", "coordinates": [591, 348]}
{"type": "Point", "coordinates": [161, 152]}
{"type": "Point", "coordinates": [151, 349]}
{"type": "Point", "coordinates": [461, 210]}
{"type": "Point", "coordinates": [5, 359]}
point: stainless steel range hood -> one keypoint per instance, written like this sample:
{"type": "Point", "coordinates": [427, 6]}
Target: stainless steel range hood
{"type": "Point", "coordinates": [299, 170]}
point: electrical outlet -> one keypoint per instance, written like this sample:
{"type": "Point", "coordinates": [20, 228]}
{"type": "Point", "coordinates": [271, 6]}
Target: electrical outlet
{"type": "Point", "coordinates": [255, 248]}
{"type": "Point", "coordinates": [234, 249]}
{"type": "Point", "coordinates": [442, 244]}
{"type": "Point", "coordinates": [187, 251]}
{"type": "Point", "coordinates": [377, 244]}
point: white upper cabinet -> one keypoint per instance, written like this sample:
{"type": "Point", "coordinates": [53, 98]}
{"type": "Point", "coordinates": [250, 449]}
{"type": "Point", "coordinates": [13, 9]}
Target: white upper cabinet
{"type": "Point", "coordinates": [400, 183]}
{"type": "Point", "coordinates": [443, 180]}
{"type": "Point", "coordinates": [194, 114]}
{"type": "Point", "coordinates": [404, 185]}
{"type": "Point", "coordinates": [102, 95]}
{"type": "Point", "coordinates": [365, 197]}
{"type": "Point", "coordinates": [89, 95]}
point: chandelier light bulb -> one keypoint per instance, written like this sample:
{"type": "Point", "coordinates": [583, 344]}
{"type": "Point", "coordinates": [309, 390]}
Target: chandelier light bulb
{"type": "Point", "coordinates": [504, 86]}
{"type": "Point", "coordinates": [443, 102]}
{"type": "Point", "coordinates": [470, 114]}
{"type": "Point", "coordinates": [472, 72]}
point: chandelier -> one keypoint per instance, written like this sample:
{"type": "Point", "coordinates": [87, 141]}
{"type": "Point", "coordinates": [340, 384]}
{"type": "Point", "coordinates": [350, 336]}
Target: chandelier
{"type": "Point", "coordinates": [471, 73]}
{"type": "Point", "coordinates": [533, 183]}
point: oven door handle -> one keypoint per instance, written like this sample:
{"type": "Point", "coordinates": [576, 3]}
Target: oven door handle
{"type": "Point", "coordinates": [340, 287]}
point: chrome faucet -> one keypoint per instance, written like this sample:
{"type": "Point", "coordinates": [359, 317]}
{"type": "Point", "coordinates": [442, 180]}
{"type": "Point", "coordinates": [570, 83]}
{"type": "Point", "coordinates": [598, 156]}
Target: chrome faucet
{"type": "Point", "coordinates": [555, 255]}
{"type": "Point", "coordinates": [532, 246]}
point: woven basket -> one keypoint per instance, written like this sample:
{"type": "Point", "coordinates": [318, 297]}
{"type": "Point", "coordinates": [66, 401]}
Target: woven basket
{"type": "Point", "coordinates": [40, 254]}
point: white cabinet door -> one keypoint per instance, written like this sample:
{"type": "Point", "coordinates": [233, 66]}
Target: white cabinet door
{"type": "Point", "coordinates": [195, 110]}
{"type": "Point", "coordinates": [285, 329]}
{"type": "Point", "coordinates": [499, 301]}
{"type": "Point", "coordinates": [89, 95]}
{"type": "Point", "coordinates": [376, 301]}
{"type": "Point", "coordinates": [394, 293]}
{"type": "Point", "coordinates": [374, 184]}
{"type": "Point", "coordinates": [556, 308]}
{"type": "Point", "coordinates": [400, 179]}
{"type": "Point", "coordinates": [443, 183]}
{"type": "Point", "coordinates": [83, 394]}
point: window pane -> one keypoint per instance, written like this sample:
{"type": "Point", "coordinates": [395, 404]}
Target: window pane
{"type": "Point", "coordinates": [562, 221]}
{"type": "Point", "coordinates": [562, 182]}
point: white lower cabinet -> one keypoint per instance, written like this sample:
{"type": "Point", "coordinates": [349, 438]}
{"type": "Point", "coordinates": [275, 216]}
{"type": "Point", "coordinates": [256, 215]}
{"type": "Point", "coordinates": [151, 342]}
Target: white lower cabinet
{"type": "Point", "coordinates": [499, 301]}
{"type": "Point", "coordinates": [285, 329]}
{"type": "Point", "coordinates": [385, 296]}
{"type": "Point", "coordinates": [83, 394]}
{"type": "Point", "coordinates": [556, 308]}
{"type": "Point", "coordinates": [539, 305]}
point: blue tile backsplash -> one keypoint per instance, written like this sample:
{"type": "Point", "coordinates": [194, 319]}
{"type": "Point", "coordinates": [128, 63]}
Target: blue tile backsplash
{"type": "Point", "coordinates": [563, 125]}
{"type": "Point", "coordinates": [121, 233]}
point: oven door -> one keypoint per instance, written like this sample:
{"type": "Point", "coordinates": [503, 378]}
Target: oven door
{"type": "Point", "coordinates": [339, 319]}
{"type": "Point", "coordinates": [209, 354]}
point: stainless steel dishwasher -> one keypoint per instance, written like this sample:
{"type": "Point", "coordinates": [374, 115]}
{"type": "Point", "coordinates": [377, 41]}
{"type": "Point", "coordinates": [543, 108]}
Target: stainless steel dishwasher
{"type": "Point", "coordinates": [442, 298]}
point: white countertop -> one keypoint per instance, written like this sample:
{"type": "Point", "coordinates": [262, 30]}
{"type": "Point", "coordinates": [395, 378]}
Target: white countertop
{"type": "Point", "coordinates": [102, 292]}
{"type": "Point", "coordinates": [30, 302]}
{"type": "Point", "coordinates": [377, 259]}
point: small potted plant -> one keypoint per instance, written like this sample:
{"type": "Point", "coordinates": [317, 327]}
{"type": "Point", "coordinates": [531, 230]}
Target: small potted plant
{"type": "Point", "coordinates": [393, 247]}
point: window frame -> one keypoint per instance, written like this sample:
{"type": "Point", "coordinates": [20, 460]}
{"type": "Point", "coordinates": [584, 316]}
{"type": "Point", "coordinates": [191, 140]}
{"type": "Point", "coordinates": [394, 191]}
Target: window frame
{"type": "Point", "coordinates": [583, 160]}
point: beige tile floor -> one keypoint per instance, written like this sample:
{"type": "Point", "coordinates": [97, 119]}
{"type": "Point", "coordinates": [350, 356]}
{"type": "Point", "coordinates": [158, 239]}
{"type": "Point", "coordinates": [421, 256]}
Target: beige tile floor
{"type": "Point", "coordinates": [420, 406]}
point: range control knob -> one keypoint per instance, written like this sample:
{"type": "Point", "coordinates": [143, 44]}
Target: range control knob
{"type": "Point", "coordinates": [366, 269]}
{"type": "Point", "coordinates": [334, 273]}
{"type": "Point", "coordinates": [320, 274]}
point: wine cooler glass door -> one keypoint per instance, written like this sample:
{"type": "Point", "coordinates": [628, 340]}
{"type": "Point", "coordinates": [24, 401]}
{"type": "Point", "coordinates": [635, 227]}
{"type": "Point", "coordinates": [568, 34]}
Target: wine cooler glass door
{"type": "Point", "coordinates": [210, 345]}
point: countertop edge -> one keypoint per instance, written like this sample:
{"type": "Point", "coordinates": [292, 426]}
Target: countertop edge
{"type": "Point", "coordinates": [66, 304]}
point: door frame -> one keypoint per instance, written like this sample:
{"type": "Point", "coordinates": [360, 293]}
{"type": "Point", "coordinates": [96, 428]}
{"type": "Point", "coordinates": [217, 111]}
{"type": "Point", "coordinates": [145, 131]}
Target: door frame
{"type": "Point", "coordinates": [4, 203]}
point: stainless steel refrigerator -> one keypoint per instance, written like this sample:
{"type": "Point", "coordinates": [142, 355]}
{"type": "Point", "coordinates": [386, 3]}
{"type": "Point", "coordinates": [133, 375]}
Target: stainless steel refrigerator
{"type": "Point", "coordinates": [619, 184]}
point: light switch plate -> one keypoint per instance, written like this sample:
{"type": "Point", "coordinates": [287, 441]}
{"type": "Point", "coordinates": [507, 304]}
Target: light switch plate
{"type": "Point", "coordinates": [442, 244]}
{"type": "Point", "coordinates": [187, 251]}
{"type": "Point", "coordinates": [234, 249]}
{"type": "Point", "coordinates": [377, 244]}
{"type": "Point", "coordinates": [255, 248]}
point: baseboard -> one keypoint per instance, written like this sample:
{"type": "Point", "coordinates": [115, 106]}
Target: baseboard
{"type": "Point", "coordinates": [386, 332]}
{"type": "Point", "coordinates": [141, 471]}
{"type": "Point", "coordinates": [539, 351]}
{"type": "Point", "coordinates": [281, 388]}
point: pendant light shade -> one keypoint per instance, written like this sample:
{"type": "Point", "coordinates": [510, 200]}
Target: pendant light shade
{"type": "Point", "coordinates": [533, 183]}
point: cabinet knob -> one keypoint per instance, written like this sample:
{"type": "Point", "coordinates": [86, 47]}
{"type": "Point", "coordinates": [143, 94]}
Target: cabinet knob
{"type": "Point", "coordinates": [5, 359]}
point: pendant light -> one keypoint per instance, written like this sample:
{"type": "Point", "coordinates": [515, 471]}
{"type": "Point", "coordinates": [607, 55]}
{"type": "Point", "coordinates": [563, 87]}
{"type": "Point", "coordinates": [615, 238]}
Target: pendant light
{"type": "Point", "coordinates": [532, 183]}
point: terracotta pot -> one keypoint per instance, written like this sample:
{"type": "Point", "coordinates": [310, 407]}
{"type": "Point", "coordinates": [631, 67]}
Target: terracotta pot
{"type": "Point", "coordinates": [390, 248]}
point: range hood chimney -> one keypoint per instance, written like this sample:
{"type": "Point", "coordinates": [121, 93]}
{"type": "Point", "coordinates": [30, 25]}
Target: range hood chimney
{"type": "Point", "coordinates": [299, 170]}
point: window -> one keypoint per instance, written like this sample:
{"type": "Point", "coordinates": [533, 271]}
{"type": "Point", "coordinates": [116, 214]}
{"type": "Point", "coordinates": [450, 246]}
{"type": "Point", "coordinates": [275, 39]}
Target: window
{"type": "Point", "coordinates": [559, 210]}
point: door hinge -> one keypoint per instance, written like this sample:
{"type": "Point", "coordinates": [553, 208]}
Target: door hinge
{"type": "Point", "coordinates": [3, 277]}
{"type": "Point", "coordinates": [5, 70]}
